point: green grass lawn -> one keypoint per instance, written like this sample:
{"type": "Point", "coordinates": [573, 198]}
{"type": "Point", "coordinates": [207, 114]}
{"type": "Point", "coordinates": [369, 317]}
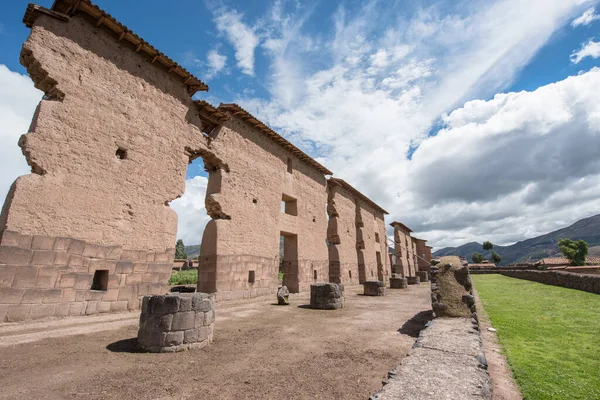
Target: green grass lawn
{"type": "Point", "coordinates": [550, 335]}
{"type": "Point", "coordinates": [186, 277]}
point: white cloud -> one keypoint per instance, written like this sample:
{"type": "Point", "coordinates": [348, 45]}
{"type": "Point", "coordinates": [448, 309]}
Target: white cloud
{"type": "Point", "coordinates": [216, 63]}
{"type": "Point", "coordinates": [192, 217]}
{"type": "Point", "coordinates": [18, 100]}
{"type": "Point", "coordinates": [519, 165]}
{"type": "Point", "coordinates": [589, 49]}
{"type": "Point", "coordinates": [241, 36]}
{"type": "Point", "coordinates": [586, 18]}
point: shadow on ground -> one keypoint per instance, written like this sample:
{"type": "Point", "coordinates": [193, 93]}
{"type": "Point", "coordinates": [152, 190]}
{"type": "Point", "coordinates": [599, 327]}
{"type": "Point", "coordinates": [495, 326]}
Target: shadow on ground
{"type": "Point", "coordinates": [125, 346]}
{"type": "Point", "coordinates": [413, 326]}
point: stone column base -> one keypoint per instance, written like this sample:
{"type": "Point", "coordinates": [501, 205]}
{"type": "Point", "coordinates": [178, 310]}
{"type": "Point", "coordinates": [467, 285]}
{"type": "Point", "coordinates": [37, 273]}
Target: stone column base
{"type": "Point", "coordinates": [374, 288]}
{"type": "Point", "coordinates": [423, 276]}
{"type": "Point", "coordinates": [398, 283]}
{"type": "Point", "coordinates": [413, 280]}
{"type": "Point", "coordinates": [327, 296]}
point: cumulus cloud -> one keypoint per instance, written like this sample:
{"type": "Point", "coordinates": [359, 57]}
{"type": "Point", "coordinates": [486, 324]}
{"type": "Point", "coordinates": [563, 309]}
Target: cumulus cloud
{"type": "Point", "coordinates": [586, 18]}
{"type": "Point", "coordinates": [18, 100]}
{"type": "Point", "coordinates": [216, 63]}
{"type": "Point", "coordinates": [520, 164]}
{"type": "Point", "coordinates": [588, 49]}
{"type": "Point", "coordinates": [191, 213]}
{"type": "Point", "coordinates": [241, 36]}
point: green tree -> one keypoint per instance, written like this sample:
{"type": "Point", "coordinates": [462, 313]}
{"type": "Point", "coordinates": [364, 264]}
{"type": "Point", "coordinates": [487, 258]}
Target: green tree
{"type": "Point", "coordinates": [487, 245]}
{"type": "Point", "coordinates": [180, 250]}
{"type": "Point", "coordinates": [574, 251]}
{"type": "Point", "coordinates": [496, 257]}
{"type": "Point", "coordinates": [477, 258]}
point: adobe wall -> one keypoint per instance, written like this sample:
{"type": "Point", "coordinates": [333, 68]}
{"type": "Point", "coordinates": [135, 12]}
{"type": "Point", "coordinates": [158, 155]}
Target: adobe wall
{"type": "Point", "coordinates": [403, 250]}
{"type": "Point", "coordinates": [342, 236]}
{"type": "Point", "coordinates": [373, 222]}
{"type": "Point", "coordinates": [245, 236]}
{"type": "Point", "coordinates": [101, 97]}
{"type": "Point", "coordinates": [108, 146]}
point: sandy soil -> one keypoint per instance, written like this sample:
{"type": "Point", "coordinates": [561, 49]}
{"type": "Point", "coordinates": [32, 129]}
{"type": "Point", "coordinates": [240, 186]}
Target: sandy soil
{"type": "Point", "coordinates": [261, 351]}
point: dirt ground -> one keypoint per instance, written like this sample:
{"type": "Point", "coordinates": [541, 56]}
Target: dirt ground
{"type": "Point", "coordinates": [260, 351]}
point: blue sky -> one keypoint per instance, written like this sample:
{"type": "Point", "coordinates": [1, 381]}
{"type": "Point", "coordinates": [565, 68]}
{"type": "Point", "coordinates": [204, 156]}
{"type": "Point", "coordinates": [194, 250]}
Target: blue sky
{"type": "Point", "coordinates": [393, 96]}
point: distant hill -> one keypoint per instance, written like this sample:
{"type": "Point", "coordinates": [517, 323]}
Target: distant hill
{"type": "Point", "coordinates": [533, 249]}
{"type": "Point", "coordinates": [192, 251]}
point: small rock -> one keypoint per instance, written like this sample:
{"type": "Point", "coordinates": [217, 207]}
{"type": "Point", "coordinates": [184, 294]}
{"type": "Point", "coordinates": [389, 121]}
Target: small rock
{"type": "Point", "coordinates": [491, 330]}
{"type": "Point", "coordinates": [283, 296]}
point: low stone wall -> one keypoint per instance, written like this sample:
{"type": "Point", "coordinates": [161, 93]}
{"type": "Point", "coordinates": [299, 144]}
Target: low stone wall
{"type": "Point", "coordinates": [446, 362]}
{"type": "Point", "coordinates": [374, 288]}
{"type": "Point", "coordinates": [327, 296]}
{"type": "Point", "coordinates": [585, 282]}
{"type": "Point", "coordinates": [176, 322]}
{"type": "Point", "coordinates": [43, 276]}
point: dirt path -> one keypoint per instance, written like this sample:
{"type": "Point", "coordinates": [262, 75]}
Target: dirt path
{"type": "Point", "coordinates": [261, 351]}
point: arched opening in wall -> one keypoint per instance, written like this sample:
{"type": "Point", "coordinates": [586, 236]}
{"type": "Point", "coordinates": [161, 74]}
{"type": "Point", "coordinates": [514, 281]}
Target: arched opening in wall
{"type": "Point", "coordinates": [192, 217]}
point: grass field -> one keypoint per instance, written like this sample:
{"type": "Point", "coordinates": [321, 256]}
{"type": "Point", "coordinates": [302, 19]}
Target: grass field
{"type": "Point", "coordinates": [550, 335]}
{"type": "Point", "coordinates": [185, 277]}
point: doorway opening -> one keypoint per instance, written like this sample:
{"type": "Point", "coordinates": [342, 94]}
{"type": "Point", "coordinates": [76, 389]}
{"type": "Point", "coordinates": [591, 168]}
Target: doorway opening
{"type": "Point", "coordinates": [289, 260]}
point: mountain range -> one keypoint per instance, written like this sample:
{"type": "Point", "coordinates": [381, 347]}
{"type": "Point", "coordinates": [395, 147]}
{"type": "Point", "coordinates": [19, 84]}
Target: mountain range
{"type": "Point", "coordinates": [533, 249]}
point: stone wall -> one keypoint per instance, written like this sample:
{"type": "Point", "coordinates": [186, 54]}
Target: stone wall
{"type": "Point", "coordinates": [42, 276]}
{"type": "Point", "coordinates": [446, 362]}
{"type": "Point", "coordinates": [176, 322]}
{"type": "Point", "coordinates": [585, 282]}
{"type": "Point", "coordinates": [404, 250]}
{"type": "Point", "coordinates": [261, 175]}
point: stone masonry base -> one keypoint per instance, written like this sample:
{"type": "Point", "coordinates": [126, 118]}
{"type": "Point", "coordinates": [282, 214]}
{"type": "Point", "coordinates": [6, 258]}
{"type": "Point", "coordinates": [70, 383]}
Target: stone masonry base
{"type": "Point", "coordinates": [42, 276]}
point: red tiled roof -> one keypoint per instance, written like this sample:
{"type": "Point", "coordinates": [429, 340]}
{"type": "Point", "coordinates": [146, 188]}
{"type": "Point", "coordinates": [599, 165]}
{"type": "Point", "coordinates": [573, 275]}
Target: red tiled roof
{"type": "Point", "coordinates": [592, 260]}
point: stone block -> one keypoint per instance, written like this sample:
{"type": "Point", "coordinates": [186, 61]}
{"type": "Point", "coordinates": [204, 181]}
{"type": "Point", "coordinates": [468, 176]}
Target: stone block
{"type": "Point", "coordinates": [90, 250]}
{"type": "Point", "coordinates": [77, 308]}
{"type": "Point", "coordinates": [183, 320]}
{"type": "Point", "coordinates": [75, 260]}
{"type": "Point", "coordinates": [174, 338]}
{"type": "Point", "coordinates": [283, 295]}
{"type": "Point", "coordinates": [76, 247]}
{"type": "Point", "coordinates": [61, 257]}
{"type": "Point", "coordinates": [17, 312]}
{"type": "Point", "coordinates": [140, 267]}
{"type": "Point", "coordinates": [52, 296]}
{"type": "Point", "coordinates": [113, 252]}
{"type": "Point", "coordinates": [32, 296]}
{"type": "Point", "coordinates": [133, 279]}
{"type": "Point", "coordinates": [161, 257]}
{"type": "Point", "coordinates": [3, 311]}
{"type": "Point", "coordinates": [209, 317]}
{"type": "Point", "coordinates": [99, 263]}
{"type": "Point", "coordinates": [42, 242]}
{"type": "Point", "coordinates": [62, 310]}
{"type": "Point", "coordinates": [91, 308]}
{"type": "Point", "coordinates": [46, 277]}
{"type": "Point", "coordinates": [80, 295]}
{"type": "Point", "coordinates": [204, 333]}
{"type": "Point", "coordinates": [9, 238]}
{"type": "Point", "coordinates": [150, 278]}
{"type": "Point", "coordinates": [7, 274]}
{"type": "Point", "coordinates": [201, 303]}
{"type": "Point", "coordinates": [42, 311]}
{"type": "Point", "coordinates": [83, 281]}
{"type": "Point", "coordinates": [43, 257]}
{"type": "Point", "coordinates": [67, 280]}
{"type": "Point", "coordinates": [157, 289]}
{"type": "Point", "coordinates": [150, 257]}
{"type": "Point", "coordinates": [131, 255]}
{"type": "Point", "coordinates": [413, 280]}
{"type": "Point", "coordinates": [133, 304]}
{"type": "Point", "coordinates": [93, 295]}
{"type": "Point", "coordinates": [143, 289]}
{"type": "Point", "coordinates": [185, 303]}
{"type": "Point", "coordinates": [15, 255]}
{"type": "Point", "coordinates": [124, 267]}
{"type": "Point", "coordinates": [451, 283]}
{"type": "Point", "coordinates": [113, 281]}
{"type": "Point", "coordinates": [125, 293]}
{"type": "Point", "coordinates": [119, 305]}
{"type": "Point", "coordinates": [61, 243]}
{"type": "Point", "coordinates": [191, 335]}
{"type": "Point", "coordinates": [68, 295]}
{"type": "Point", "coordinates": [103, 306]}
{"type": "Point", "coordinates": [25, 242]}
{"type": "Point", "coordinates": [374, 288]}
{"type": "Point", "coordinates": [159, 267]}
{"type": "Point", "coordinates": [25, 277]}
{"type": "Point", "coordinates": [327, 296]}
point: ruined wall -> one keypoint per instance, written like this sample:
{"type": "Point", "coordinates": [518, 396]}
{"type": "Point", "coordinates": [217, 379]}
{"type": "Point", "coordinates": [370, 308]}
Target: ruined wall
{"type": "Point", "coordinates": [108, 146]}
{"type": "Point", "coordinates": [403, 250]}
{"type": "Point", "coordinates": [245, 235]}
{"type": "Point", "coordinates": [424, 253]}
{"type": "Point", "coordinates": [342, 236]}
{"type": "Point", "coordinates": [374, 241]}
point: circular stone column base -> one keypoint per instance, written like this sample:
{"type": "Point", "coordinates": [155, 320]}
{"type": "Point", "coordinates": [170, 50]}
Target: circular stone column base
{"type": "Point", "coordinates": [374, 288]}
{"type": "Point", "coordinates": [398, 283]}
{"type": "Point", "coordinates": [327, 296]}
{"type": "Point", "coordinates": [413, 280]}
{"type": "Point", "coordinates": [176, 322]}
{"type": "Point", "coordinates": [423, 276]}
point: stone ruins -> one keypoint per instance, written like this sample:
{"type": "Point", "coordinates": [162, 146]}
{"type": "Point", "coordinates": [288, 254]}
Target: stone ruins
{"type": "Point", "coordinates": [90, 229]}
